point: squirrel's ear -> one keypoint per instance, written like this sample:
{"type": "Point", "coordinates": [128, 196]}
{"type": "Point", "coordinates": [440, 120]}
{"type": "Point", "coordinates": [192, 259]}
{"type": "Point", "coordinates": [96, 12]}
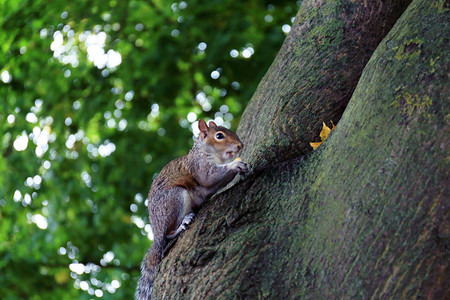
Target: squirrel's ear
{"type": "Point", "coordinates": [211, 123]}
{"type": "Point", "coordinates": [203, 128]}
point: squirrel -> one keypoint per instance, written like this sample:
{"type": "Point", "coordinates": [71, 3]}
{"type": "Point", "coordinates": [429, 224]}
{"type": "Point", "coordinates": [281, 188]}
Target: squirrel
{"type": "Point", "coordinates": [184, 184]}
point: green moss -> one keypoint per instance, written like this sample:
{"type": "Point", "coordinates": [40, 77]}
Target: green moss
{"type": "Point", "coordinates": [440, 5]}
{"type": "Point", "coordinates": [447, 118]}
{"type": "Point", "coordinates": [309, 12]}
{"type": "Point", "coordinates": [433, 63]}
{"type": "Point", "coordinates": [408, 104]}
{"type": "Point", "coordinates": [326, 27]}
{"type": "Point", "coordinates": [327, 34]}
{"type": "Point", "coordinates": [409, 49]}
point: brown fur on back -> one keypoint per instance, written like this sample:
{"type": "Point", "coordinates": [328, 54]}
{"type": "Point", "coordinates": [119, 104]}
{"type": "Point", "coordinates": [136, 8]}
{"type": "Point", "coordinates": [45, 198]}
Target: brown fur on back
{"type": "Point", "coordinates": [175, 173]}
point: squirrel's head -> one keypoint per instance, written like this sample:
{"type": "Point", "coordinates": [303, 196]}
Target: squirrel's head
{"type": "Point", "coordinates": [225, 142]}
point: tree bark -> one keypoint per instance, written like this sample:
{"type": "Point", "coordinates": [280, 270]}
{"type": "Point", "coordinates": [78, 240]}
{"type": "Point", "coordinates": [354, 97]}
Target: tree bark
{"type": "Point", "coordinates": [314, 75]}
{"type": "Point", "coordinates": [364, 216]}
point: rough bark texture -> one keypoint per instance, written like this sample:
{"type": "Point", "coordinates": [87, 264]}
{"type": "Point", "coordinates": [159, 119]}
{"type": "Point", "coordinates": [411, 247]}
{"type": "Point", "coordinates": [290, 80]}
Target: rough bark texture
{"type": "Point", "coordinates": [366, 215]}
{"type": "Point", "coordinates": [314, 75]}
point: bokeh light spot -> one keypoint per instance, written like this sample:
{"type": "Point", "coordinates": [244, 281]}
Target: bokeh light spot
{"type": "Point", "coordinates": [286, 28]}
{"type": "Point", "coordinates": [234, 53]}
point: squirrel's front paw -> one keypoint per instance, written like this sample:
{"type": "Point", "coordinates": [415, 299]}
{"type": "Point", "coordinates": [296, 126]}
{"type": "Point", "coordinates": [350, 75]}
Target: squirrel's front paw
{"type": "Point", "coordinates": [188, 219]}
{"type": "Point", "coordinates": [240, 166]}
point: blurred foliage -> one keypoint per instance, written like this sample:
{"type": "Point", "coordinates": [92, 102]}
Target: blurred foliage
{"type": "Point", "coordinates": [96, 96]}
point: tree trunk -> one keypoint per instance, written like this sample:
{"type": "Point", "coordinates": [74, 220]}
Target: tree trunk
{"type": "Point", "coordinates": [366, 214]}
{"type": "Point", "coordinates": [314, 75]}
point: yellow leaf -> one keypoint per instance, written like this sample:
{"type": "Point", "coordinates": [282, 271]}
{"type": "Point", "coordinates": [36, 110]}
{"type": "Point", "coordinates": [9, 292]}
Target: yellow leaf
{"type": "Point", "coordinates": [315, 145]}
{"type": "Point", "coordinates": [325, 132]}
{"type": "Point", "coordinates": [323, 135]}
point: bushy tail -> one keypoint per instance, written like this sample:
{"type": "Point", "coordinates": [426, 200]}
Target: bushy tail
{"type": "Point", "coordinates": [148, 270]}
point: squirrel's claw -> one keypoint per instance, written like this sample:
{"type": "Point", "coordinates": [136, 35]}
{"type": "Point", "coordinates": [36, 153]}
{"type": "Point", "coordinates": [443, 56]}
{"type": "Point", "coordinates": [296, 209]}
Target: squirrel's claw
{"type": "Point", "coordinates": [188, 219]}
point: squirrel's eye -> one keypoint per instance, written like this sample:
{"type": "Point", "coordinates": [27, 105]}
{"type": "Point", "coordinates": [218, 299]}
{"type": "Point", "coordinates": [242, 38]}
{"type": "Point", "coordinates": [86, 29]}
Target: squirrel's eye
{"type": "Point", "coordinates": [220, 136]}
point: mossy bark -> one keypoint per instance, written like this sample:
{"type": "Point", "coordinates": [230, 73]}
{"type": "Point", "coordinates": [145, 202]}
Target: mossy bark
{"type": "Point", "coordinates": [366, 215]}
{"type": "Point", "coordinates": [314, 75]}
